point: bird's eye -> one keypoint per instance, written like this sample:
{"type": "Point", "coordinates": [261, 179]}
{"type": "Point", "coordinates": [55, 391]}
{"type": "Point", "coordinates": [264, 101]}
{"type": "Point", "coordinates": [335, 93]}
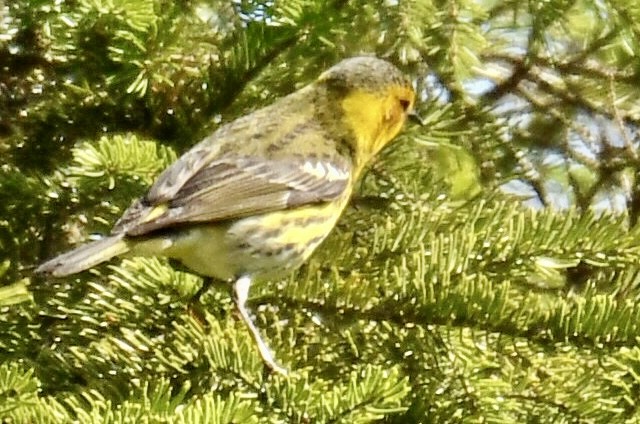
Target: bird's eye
{"type": "Point", "coordinates": [405, 104]}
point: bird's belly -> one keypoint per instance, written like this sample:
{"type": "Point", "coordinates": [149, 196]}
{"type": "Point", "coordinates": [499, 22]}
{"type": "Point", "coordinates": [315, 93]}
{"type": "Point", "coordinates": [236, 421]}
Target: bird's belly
{"type": "Point", "coordinates": [263, 246]}
{"type": "Point", "coordinates": [202, 249]}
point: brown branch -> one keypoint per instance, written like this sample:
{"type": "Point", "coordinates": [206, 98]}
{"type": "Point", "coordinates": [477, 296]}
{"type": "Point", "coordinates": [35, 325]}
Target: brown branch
{"type": "Point", "coordinates": [520, 72]}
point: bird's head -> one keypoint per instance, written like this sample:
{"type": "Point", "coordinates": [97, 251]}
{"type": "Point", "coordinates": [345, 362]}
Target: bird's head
{"type": "Point", "coordinates": [376, 98]}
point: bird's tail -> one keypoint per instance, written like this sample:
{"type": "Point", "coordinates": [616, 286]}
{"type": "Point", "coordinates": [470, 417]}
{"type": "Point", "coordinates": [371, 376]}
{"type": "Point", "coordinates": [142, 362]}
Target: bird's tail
{"type": "Point", "coordinates": [85, 256]}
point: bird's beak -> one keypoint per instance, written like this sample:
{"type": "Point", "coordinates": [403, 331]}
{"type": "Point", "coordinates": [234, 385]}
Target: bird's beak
{"type": "Point", "coordinates": [413, 115]}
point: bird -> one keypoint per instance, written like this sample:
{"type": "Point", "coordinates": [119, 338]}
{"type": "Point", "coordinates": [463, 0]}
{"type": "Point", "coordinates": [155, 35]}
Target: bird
{"type": "Point", "coordinates": [257, 196]}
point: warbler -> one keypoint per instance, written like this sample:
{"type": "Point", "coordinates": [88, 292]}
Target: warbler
{"type": "Point", "coordinates": [255, 198]}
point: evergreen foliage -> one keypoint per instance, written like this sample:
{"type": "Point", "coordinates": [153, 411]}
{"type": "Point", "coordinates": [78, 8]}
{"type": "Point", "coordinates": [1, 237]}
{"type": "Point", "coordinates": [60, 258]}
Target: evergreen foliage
{"type": "Point", "coordinates": [488, 269]}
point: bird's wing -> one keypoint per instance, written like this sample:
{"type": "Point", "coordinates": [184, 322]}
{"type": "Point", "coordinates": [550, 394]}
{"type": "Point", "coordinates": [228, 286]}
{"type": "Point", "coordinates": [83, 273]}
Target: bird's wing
{"type": "Point", "coordinates": [232, 187]}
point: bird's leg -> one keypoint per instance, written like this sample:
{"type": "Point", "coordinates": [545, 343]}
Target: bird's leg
{"type": "Point", "coordinates": [207, 282]}
{"type": "Point", "coordinates": [194, 305]}
{"type": "Point", "coordinates": [241, 294]}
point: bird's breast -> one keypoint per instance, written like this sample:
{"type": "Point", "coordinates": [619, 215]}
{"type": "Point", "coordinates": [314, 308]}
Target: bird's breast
{"type": "Point", "coordinates": [263, 246]}
{"type": "Point", "coordinates": [274, 244]}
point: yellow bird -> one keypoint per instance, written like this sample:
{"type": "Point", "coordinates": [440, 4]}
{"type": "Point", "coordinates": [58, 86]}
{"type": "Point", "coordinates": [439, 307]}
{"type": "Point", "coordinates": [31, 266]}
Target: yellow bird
{"type": "Point", "coordinates": [254, 199]}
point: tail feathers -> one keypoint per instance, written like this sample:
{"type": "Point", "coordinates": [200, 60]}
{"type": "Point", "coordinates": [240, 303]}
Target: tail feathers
{"type": "Point", "coordinates": [85, 257]}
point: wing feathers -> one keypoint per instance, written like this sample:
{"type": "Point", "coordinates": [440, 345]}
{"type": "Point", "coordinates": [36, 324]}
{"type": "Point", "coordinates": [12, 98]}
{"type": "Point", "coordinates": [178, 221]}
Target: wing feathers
{"type": "Point", "coordinates": [173, 178]}
{"type": "Point", "coordinates": [230, 188]}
